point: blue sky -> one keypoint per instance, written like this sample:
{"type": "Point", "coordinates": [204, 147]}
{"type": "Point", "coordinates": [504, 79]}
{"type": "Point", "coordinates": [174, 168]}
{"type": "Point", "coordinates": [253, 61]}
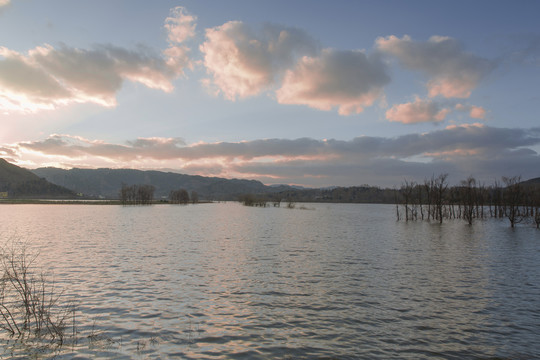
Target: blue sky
{"type": "Point", "coordinates": [315, 93]}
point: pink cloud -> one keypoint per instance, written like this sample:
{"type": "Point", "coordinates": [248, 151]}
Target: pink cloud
{"type": "Point", "coordinates": [239, 66]}
{"type": "Point", "coordinates": [456, 149]}
{"type": "Point", "coordinates": [477, 112]}
{"type": "Point", "coordinates": [453, 72]}
{"type": "Point", "coordinates": [348, 80]}
{"type": "Point", "coordinates": [47, 77]}
{"type": "Point", "coordinates": [243, 63]}
{"type": "Point", "coordinates": [419, 111]}
{"type": "Point", "coordinates": [180, 25]}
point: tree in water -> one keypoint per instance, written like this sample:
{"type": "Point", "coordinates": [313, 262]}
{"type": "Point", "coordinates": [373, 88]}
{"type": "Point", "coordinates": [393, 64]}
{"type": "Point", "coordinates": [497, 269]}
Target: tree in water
{"type": "Point", "coordinates": [194, 197]}
{"type": "Point", "coordinates": [469, 198]}
{"type": "Point", "coordinates": [513, 197]}
{"type": "Point", "coordinates": [441, 185]}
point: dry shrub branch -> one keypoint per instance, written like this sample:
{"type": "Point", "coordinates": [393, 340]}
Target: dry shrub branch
{"type": "Point", "coordinates": [29, 303]}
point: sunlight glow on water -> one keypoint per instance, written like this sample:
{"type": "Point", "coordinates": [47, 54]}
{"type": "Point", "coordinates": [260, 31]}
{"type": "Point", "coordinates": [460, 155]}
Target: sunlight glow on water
{"type": "Point", "coordinates": [223, 281]}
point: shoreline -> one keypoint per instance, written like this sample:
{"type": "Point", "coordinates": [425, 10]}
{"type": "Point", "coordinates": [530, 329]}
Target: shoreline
{"type": "Point", "coordinates": [83, 202]}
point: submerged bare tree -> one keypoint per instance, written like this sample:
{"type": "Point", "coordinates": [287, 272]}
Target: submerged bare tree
{"type": "Point", "coordinates": [513, 198]}
{"type": "Point", "coordinates": [440, 186]}
{"type": "Point", "coordinates": [469, 198]}
{"type": "Point", "coordinates": [252, 200]}
{"type": "Point", "coordinates": [194, 197]}
{"type": "Point", "coordinates": [407, 193]}
{"type": "Point", "coordinates": [516, 200]}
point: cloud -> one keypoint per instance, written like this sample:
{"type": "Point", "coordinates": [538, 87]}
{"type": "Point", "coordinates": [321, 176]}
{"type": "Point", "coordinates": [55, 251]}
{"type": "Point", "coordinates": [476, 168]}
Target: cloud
{"type": "Point", "coordinates": [453, 72]}
{"type": "Point", "coordinates": [475, 112]}
{"type": "Point", "coordinates": [483, 151]}
{"type": "Point", "coordinates": [48, 77]}
{"type": "Point", "coordinates": [244, 63]}
{"type": "Point", "coordinates": [419, 111]}
{"type": "Point", "coordinates": [477, 137]}
{"type": "Point", "coordinates": [23, 85]}
{"type": "Point", "coordinates": [429, 110]}
{"type": "Point", "coordinates": [348, 80]}
{"type": "Point", "coordinates": [180, 25]}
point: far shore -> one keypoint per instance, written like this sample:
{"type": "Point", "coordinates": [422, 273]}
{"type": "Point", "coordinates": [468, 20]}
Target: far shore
{"type": "Point", "coordinates": [84, 202]}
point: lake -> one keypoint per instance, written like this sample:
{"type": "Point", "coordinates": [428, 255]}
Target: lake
{"type": "Point", "coordinates": [333, 281]}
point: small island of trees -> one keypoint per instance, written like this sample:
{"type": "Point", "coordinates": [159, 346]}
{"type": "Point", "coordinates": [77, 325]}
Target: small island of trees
{"type": "Point", "coordinates": [137, 194]}
{"type": "Point", "coordinates": [144, 195]}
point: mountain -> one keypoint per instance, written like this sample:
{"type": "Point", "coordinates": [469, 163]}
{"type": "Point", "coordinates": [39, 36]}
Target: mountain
{"type": "Point", "coordinates": [16, 182]}
{"type": "Point", "coordinates": [535, 181]}
{"type": "Point", "coordinates": [12, 174]}
{"type": "Point", "coordinates": [108, 182]}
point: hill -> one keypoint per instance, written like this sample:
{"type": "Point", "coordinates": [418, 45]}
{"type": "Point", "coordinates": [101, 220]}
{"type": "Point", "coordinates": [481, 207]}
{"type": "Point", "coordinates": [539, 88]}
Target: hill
{"type": "Point", "coordinates": [17, 183]}
{"type": "Point", "coordinates": [107, 183]}
{"type": "Point", "coordinates": [535, 181]}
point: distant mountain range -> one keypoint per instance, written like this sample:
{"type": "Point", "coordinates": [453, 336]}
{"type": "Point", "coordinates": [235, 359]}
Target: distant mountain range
{"type": "Point", "coordinates": [49, 182]}
{"type": "Point", "coordinates": [106, 183]}
{"type": "Point", "coordinates": [535, 181]}
{"type": "Point", "coordinates": [16, 182]}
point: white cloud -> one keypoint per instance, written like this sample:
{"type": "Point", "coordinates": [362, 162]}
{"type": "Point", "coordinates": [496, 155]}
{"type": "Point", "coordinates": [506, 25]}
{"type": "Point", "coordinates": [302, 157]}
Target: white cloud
{"type": "Point", "coordinates": [453, 72]}
{"type": "Point", "coordinates": [243, 63]}
{"type": "Point", "coordinates": [348, 80]}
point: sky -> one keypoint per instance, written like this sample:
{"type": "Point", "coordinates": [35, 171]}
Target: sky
{"type": "Point", "coordinates": [305, 92]}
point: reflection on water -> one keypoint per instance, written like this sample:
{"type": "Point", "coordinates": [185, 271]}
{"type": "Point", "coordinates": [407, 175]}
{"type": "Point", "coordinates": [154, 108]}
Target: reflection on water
{"type": "Point", "coordinates": [224, 281]}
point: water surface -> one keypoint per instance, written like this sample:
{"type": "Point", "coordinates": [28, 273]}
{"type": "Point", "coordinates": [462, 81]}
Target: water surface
{"type": "Point", "coordinates": [344, 281]}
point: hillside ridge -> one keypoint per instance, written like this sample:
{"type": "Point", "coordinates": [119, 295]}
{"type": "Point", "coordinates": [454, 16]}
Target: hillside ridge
{"type": "Point", "coordinates": [17, 182]}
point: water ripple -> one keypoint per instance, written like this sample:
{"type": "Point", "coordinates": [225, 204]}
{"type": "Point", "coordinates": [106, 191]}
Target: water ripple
{"type": "Point", "coordinates": [227, 282]}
